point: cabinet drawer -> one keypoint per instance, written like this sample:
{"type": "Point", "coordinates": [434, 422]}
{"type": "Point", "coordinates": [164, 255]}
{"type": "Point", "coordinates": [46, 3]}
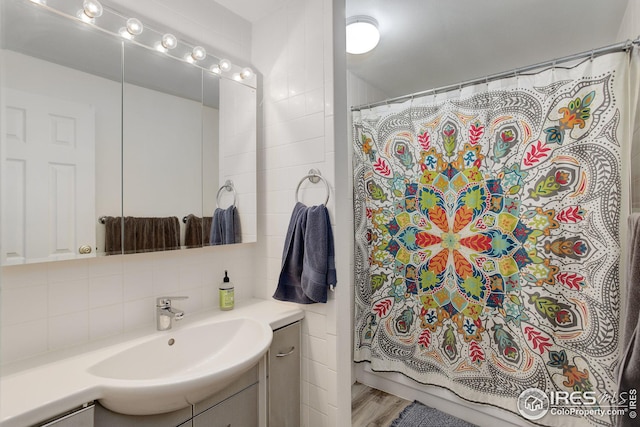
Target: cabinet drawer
{"type": "Point", "coordinates": [79, 418]}
{"type": "Point", "coordinates": [247, 379]}
{"type": "Point", "coordinates": [240, 410]}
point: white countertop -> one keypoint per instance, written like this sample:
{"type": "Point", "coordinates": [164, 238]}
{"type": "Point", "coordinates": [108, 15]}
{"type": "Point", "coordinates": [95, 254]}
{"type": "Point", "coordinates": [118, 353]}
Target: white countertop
{"type": "Point", "coordinates": [41, 388]}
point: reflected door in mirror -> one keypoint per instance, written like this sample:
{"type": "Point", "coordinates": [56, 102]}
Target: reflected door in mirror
{"type": "Point", "coordinates": [48, 179]}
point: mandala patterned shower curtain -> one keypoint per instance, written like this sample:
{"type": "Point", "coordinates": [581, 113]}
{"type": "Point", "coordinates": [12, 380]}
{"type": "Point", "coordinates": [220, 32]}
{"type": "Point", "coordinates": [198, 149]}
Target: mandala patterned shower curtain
{"type": "Point", "coordinates": [488, 235]}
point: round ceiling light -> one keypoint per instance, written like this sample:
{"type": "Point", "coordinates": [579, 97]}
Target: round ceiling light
{"type": "Point", "coordinates": [362, 34]}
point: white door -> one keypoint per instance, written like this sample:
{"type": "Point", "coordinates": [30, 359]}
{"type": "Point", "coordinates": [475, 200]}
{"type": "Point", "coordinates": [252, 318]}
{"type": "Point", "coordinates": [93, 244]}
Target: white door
{"type": "Point", "coordinates": [48, 179]}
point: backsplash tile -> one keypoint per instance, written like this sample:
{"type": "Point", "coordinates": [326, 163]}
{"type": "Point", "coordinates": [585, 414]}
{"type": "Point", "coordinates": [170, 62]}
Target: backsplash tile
{"type": "Point", "coordinates": [28, 303]}
{"type": "Point", "coordinates": [68, 297]}
{"type": "Point", "coordinates": [50, 306]}
{"type": "Point", "coordinates": [68, 330]}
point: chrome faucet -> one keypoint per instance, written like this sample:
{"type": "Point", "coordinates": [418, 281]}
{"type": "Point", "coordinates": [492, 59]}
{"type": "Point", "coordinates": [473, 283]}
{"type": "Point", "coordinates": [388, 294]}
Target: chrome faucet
{"type": "Point", "coordinates": [164, 312]}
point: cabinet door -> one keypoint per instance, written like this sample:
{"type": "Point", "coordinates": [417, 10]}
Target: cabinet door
{"type": "Point", "coordinates": [284, 377]}
{"type": "Point", "coordinates": [240, 410]}
{"type": "Point", "coordinates": [107, 418]}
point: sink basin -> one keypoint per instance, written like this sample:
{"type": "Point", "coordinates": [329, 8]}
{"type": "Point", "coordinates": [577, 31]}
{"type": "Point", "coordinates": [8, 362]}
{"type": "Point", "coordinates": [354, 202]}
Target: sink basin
{"type": "Point", "coordinates": [174, 369]}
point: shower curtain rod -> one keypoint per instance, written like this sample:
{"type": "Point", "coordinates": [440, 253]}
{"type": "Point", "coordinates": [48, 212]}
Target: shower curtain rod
{"type": "Point", "coordinates": [622, 46]}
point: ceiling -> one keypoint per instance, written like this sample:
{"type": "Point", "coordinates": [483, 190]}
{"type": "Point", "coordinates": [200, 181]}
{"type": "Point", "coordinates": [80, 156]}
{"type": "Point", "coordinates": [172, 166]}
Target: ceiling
{"type": "Point", "coordinates": [253, 10]}
{"type": "Point", "coordinates": [432, 43]}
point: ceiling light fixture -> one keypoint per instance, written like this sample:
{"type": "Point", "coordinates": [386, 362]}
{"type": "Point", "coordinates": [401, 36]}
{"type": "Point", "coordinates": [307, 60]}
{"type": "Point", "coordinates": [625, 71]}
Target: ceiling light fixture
{"type": "Point", "coordinates": [362, 34]}
{"type": "Point", "coordinates": [166, 43]}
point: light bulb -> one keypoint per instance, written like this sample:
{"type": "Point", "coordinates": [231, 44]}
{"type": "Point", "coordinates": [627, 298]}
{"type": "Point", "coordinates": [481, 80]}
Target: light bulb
{"type": "Point", "coordinates": [198, 53]}
{"type": "Point", "coordinates": [169, 41]}
{"type": "Point", "coordinates": [224, 64]}
{"type": "Point", "coordinates": [134, 26]}
{"type": "Point", "coordinates": [246, 73]}
{"type": "Point", "coordinates": [92, 8]}
{"type": "Point", "coordinates": [215, 69]}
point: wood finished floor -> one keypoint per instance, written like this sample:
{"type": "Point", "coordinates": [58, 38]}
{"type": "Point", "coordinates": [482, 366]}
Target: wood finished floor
{"type": "Point", "coordinates": [374, 408]}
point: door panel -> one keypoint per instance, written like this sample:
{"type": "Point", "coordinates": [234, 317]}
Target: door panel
{"type": "Point", "coordinates": [48, 179]}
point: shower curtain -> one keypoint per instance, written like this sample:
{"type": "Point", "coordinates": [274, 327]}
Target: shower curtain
{"type": "Point", "coordinates": [488, 235]}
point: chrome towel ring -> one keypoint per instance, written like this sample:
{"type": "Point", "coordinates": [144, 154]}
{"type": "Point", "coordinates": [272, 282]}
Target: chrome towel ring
{"type": "Point", "coordinates": [314, 176]}
{"type": "Point", "coordinates": [228, 185]}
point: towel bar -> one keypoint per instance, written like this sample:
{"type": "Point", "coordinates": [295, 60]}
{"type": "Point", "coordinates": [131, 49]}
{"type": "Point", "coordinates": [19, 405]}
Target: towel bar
{"type": "Point", "coordinates": [314, 176]}
{"type": "Point", "coordinates": [228, 185]}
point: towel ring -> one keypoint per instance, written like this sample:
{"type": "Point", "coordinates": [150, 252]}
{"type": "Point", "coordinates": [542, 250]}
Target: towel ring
{"type": "Point", "coordinates": [228, 185]}
{"type": "Point", "coordinates": [315, 177]}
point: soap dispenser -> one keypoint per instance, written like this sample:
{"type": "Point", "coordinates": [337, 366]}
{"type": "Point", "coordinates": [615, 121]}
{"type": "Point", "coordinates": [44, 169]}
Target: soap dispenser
{"type": "Point", "coordinates": [226, 293]}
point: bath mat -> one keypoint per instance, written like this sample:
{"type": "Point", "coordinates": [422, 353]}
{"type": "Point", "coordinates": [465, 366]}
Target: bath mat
{"type": "Point", "coordinates": [419, 415]}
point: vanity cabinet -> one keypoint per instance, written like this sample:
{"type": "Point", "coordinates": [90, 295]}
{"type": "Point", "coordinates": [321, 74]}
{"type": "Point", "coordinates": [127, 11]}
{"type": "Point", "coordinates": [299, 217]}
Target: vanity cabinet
{"type": "Point", "coordinates": [237, 405]}
{"type": "Point", "coordinates": [284, 377]}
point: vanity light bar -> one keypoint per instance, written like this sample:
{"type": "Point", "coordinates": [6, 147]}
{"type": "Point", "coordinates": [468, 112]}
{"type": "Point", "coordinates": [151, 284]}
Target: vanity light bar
{"type": "Point", "coordinates": [132, 27]}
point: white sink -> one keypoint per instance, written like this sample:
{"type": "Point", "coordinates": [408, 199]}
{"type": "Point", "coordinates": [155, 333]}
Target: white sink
{"type": "Point", "coordinates": [174, 369]}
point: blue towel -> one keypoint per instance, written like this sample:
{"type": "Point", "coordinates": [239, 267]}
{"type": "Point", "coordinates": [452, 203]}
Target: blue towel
{"type": "Point", "coordinates": [308, 260]}
{"type": "Point", "coordinates": [225, 226]}
{"type": "Point", "coordinates": [216, 227]}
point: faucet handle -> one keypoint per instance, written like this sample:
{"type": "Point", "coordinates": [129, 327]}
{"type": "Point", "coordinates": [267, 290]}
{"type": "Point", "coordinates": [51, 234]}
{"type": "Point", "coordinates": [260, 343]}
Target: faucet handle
{"type": "Point", "coordinates": [166, 301]}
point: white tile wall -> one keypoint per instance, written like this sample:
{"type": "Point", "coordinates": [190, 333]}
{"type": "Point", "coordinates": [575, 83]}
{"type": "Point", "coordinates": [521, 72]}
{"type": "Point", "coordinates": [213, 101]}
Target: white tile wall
{"type": "Point", "coordinates": [49, 306]}
{"type": "Point", "coordinates": [292, 48]}
{"type": "Point", "coordinates": [630, 30]}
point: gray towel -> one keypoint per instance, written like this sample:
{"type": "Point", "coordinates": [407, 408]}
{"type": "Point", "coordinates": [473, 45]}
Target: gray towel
{"type": "Point", "coordinates": [197, 231]}
{"type": "Point", "coordinates": [225, 226]}
{"type": "Point", "coordinates": [629, 368]}
{"type": "Point", "coordinates": [318, 265]}
{"type": "Point", "coordinates": [216, 227]}
{"type": "Point", "coordinates": [308, 264]}
{"type": "Point", "coordinates": [141, 234]}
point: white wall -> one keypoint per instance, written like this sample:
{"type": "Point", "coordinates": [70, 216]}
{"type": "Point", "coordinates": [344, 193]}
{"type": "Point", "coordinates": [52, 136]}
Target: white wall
{"type": "Point", "coordinates": [630, 30]}
{"type": "Point", "coordinates": [630, 25]}
{"type": "Point", "coordinates": [162, 137]}
{"type": "Point", "coordinates": [293, 50]}
{"type": "Point", "coordinates": [50, 306]}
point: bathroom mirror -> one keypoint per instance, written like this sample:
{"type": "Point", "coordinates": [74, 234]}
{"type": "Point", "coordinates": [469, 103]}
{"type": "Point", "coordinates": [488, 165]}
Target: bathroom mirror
{"type": "Point", "coordinates": [129, 132]}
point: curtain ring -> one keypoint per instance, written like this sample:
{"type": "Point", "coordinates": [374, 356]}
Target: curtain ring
{"type": "Point", "coordinates": [591, 58]}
